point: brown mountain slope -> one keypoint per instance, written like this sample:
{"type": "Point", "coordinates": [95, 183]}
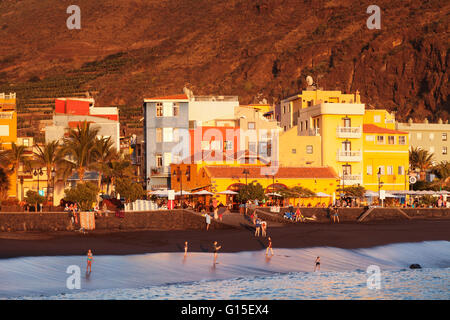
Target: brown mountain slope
{"type": "Point", "coordinates": [128, 49]}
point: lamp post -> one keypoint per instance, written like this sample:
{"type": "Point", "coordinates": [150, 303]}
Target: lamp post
{"type": "Point", "coordinates": [246, 172]}
{"type": "Point", "coordinates": [53, 183]}
{"type": "Point", "coordinates": [179, 174]}
{"type": "Point", "coordinates": [38, 173]}
{"type": "Point", "coordinates": [380, 184]}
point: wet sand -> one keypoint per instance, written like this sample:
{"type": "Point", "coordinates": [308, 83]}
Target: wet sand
{"type": "Point", "coordinates": [344, 235]}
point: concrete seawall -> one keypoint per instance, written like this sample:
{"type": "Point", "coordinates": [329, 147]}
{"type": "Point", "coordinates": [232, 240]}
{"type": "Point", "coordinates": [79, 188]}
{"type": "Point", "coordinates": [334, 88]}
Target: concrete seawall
{"type": "Point", "coordinates": [185, 220]}
{"type": "Point", "coordinates": [60, 221]}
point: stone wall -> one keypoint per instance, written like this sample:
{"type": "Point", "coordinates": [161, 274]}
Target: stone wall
{"type": "Point", "coordinates": [158, 220]}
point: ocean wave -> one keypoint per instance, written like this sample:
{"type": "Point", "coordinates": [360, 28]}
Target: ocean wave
{"type": "Point", "coordinates": [44, 277]}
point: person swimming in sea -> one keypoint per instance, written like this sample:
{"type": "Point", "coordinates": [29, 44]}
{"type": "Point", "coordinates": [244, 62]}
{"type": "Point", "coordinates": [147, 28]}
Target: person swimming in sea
{"type": "Point", "coordinates": [317, 266]}
{"type": "Point", "coordinates": [90, 258]}
{"type": "Point", "coordinates": [216, 249]}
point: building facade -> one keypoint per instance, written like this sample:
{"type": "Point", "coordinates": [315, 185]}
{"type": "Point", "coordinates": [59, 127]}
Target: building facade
{"type": "Point", "coordinates": [433, 137]}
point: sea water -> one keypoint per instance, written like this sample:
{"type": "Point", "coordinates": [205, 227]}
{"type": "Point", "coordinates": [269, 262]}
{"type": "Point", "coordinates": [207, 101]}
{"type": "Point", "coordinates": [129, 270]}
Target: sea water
{"type": "Point", "coordinates": [289, 274]}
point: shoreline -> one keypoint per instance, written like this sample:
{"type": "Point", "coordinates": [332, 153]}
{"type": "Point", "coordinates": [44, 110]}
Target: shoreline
{"type": "Point", "coordinates": [116, 242]}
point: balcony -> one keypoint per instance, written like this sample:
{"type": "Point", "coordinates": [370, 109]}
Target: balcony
{"type": "Point", "coordinates": [160, 172]}
{"type": "Point", "coordinates": [349, 156]}
{"type": "Point", "coordinates": [349, 180]}
{"type": "Point", "coordinates": [348, 132]}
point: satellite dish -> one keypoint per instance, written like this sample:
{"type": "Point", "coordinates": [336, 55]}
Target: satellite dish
{"type": "Point", "coordinates": [309, 80]}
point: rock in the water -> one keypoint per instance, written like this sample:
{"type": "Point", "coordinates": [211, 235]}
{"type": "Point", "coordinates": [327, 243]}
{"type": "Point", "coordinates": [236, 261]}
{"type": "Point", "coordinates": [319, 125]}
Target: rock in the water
{"type": "Point", "coordinates": [415, 266]}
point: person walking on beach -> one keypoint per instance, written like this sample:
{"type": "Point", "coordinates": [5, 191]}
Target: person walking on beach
{"type": "Point", "coordinates": [317, 266]}
{"type": "Point", "coordinates": [264, 228]}
{"type": "Point", "coordinates": [335, 215]}
{"type": "Point", "coordinates": [258, 227]}
{"type": "Point", "coordinates": [208, 220]}
{"type": "Point", "coordinates": [185, 248]}
{"type": "Point", "coordinates": [269, 247]}
{"type": "Point", "coordinates": [90, 258]}
{"type": "Point", "coordinates": [216, 249]}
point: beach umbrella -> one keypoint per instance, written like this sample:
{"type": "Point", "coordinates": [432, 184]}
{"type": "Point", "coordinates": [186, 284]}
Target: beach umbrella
{"type": "Point", "coordinates": [273, 194]}
{"type": "Point", "coordinates": [322, 195]}
{"type": "Point", "coordinates": [202, 193]}
{"type": "Point", "coordinates": [370, 193]}
{"type": "Point", "coordinates": [160, 193]}
{"type": "Point", "coordinates": [227, 192]}
{"type": "Point", "coordinates": [185, 193]}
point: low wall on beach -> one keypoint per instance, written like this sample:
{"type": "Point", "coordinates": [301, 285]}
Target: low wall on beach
{"type": "Point", "coordinates": [60, 221]}
{"type": "Point", "coordinates": [352, 214]}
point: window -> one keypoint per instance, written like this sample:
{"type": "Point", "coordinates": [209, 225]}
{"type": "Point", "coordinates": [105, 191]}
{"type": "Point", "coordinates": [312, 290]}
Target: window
{"type": "Point", "coordinates": [205, 145]}
{"type": "Point", "coordinates": [370, 138]}
{"type": "Point", "coordinates": [377, 118]}
{"type": "Point", "coordinates": [390, 170]}
{"type": "Point", "coordinates": [301, 125]}
{"type": "Point", "coordinates": [381, 170]}
{"type": "Point", "coordinates": [167, 159]}
{"type": "Point", "coordinates": [263, 148]}
{"type": "Point", "coordinates": [419, 135]}
{"type": "Point", "coordinates": [380, 139]}
{"type": "Point", "coordinates": [369, 170]}
{"type": "Point", "coordinates": [228, 145]}
{"type": "Point", "coordinates": [444, 136]}
{"type": "Point", "coordinates": [176, 135]}
{"type": "Point", "coordinates": [347, 122]}
{"type": "Point", "coordinates": [188, 173]}
{"type": "Point", "coordinates": [284, 109]}
{"type": "Point", "coordinates": [306, 125]}
{"type": "Point", "coordinates": [159, 160]}
{"type": "Point", "coordinates": [26, 142]}
{"type": "Point", "coordinates": [444, 150]}
{"type": "Point", "coordinates": [346, 170]}
{"type": "Point", "coordinates": [252, 147]}
{"type": "Point", "coordinates": [216, 145]}
{"type": "Point", "coordinates": [391, 140]}
{"type": "Point", "coordinates": [431, 136]}
{"type": "Point", "coordinates": [159, 109]}
{"type": "Point", "coordinates": [309, 149]}
{"type": "Point", "coordinates": [176, 109]}
{"type": "Point", "coordinates": [402, 140]}
{"type": "Point", "coordinates": [251, 126]}
{"type": "Point", "coordinates": [294, 151]}
{"type": "Point", "coordinates": [159, 134]}
{"type": "Point", "coordinates": [168, 134]}
{"type": "Point", "coordinates": [401, 170]}
{"type": "Point", "coordinates": [168, 109]}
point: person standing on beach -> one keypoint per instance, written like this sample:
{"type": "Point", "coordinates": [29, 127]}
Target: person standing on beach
{"type": "Point", "coordinates": [269, 247]}
{"type": "Point", "coordinates": [258, 227]}
{"type": "Point", "coordinates": [185, 248]}
{"type": "Point", "coordinates": [264, 228]}
{"type": "Point", "coordinates": [216, 249]}
{"type": "Point", "coordinates": [317, 266]}
{"type": "Point", "coordinates": [335, 215]}
{"type": "Point", "coordinates": [90, 258]}
{"type": "Point", "coordinates": [208, 220]}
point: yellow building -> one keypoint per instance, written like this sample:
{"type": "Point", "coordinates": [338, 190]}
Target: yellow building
{"type": "Point", "coordinates": [8, 130]}
{"type": "Point", "coordinates": [346, 135]}
{"type": "Point", "coordinates": [385, 153]}
{"type": "Point", "coordinates": [299, 151]}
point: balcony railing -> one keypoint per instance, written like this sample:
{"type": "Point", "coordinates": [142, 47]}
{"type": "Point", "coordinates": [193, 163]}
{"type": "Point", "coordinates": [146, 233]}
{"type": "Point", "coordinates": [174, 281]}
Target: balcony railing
{"type": "Point", "coordinates": [348, 156]}
{"type": "Point", "coordinates": [313, 131]}
{"type": "Point", "coordinates": [348, 132]}
{"type": "Point", "coordinates": [160, 171]}
{"type": "Point", "coordinates": [348, 180]}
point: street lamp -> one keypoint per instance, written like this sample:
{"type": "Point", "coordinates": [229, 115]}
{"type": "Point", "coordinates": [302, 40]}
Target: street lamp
{"type": "Point", "coordinates": [179, 174]}
{"type": "Point", "coordinates": [246, 172]}
{"type": "Point", "coordinates": [53, 189]}
{"type": "Point", "coordinates": [38, 173]}
{"type": "Point", "coordinates": [380, 184]}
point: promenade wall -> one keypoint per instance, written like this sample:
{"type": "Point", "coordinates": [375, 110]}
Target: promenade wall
{"type": "Point", "coordinates": [60, 221]}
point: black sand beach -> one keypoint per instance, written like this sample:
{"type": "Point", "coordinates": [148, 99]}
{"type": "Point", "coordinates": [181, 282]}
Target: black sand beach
{"type": "Point", "coordinates": [344, 235]}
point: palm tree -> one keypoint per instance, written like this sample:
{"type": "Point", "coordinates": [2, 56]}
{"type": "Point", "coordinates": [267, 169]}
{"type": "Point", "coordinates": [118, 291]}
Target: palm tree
{"type": "Point", "coordinates": [17, 157]}
{"type": "Point", "coordinates": [4, 184]}
{"type": "Point", "coordinates": [420, 159]}
{"type": "Point", "coordinates": [119, 169]}
{"type": "Point", "coordinates": [104, 153]}
{"type": "Point", "coordinates": [442, 170]}
{"type": "Point", "coordinates": [49, 156]}
{"type": "Point", "coordinates": [79, 146]}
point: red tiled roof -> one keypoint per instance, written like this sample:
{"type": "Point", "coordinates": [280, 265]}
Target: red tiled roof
{"type": "Point", "coordinates": [371, 128]}
{"type": "Point", "coordinates": [172, 97]}
{"type": "Point", "coordinates": [260, 172]}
